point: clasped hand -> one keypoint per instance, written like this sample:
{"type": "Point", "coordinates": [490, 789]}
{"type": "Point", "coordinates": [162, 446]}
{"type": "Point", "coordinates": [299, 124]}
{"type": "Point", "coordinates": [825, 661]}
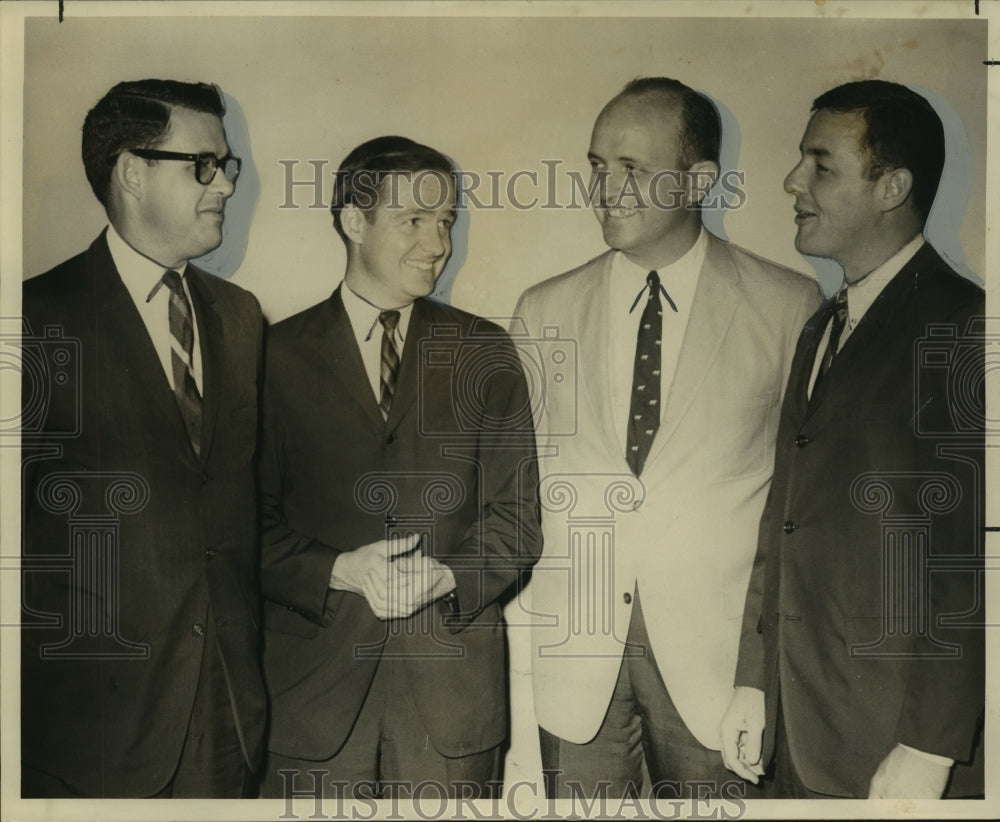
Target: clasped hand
{"type": "Point", "coordinates": [393, 575]}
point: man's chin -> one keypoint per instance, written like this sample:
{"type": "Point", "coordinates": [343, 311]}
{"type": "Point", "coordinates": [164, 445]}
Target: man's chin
{"type": "Point", "coordinates": [615, 237]}
{"type": "Point", "coordinates": [805, 246]}
{"type": "Point", "coordinates": [208, 246]}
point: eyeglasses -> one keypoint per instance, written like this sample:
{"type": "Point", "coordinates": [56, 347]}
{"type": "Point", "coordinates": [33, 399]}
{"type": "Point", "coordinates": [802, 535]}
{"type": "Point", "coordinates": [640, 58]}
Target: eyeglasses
{"type": "Point", "coordinates": [205, 164]}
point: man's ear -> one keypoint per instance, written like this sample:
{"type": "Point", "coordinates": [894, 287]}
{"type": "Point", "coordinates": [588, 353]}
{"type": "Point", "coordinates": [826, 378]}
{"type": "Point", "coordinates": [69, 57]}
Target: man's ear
{"type": "Point", "coordinates": [895, 188]}
{"type": "Point", "coordinates": [127, 175]}
{"type": "Point", "coordinates": [701, 176]}
{"type": "Point", "coordinates": [354, 223]}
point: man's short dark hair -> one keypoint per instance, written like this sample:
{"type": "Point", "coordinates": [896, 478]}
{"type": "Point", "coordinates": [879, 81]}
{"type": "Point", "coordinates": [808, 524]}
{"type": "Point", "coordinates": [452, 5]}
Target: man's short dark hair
{"type": "Point", "coordinates": [136, 114]}
{"type": "Point", "coordinates": [902, 130]}
{"type": "Point", "coordinates": [701, 128]}
{"type": "Point", "coordinates": [361, 178]}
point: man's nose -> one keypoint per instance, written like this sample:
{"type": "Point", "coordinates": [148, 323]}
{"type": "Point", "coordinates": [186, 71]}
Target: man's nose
{"type": "Point", "coordinates": [793, 182]}
{"type": "Point", "coordinates": [619, 185]}
{"type": "Point", "coordinates": [222, 184]}
{"type": "Point", "coordinates": [434, 239]}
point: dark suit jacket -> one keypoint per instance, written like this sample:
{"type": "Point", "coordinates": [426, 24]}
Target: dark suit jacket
{"type": "Point", "coordinates": [863, 603]}
{"type": "Point", "coordinates": [455, 461]}
{"type": "Point", "coordinates": [108, 462]}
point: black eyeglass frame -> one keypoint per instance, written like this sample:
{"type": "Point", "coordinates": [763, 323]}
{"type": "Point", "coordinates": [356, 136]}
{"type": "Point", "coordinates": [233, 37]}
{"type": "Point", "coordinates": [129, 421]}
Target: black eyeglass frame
{"type": "Point", "coordinates": [200, 161]}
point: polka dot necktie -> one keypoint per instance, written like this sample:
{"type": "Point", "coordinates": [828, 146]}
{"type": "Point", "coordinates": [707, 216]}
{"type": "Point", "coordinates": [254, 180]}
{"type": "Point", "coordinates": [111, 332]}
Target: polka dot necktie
{"type": "Point", "coordinates": [644, 411]}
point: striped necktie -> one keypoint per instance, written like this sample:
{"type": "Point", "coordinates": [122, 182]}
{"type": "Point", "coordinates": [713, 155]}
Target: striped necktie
{"type": "Point", "coordinates": [836, 330]}
{"type": "Point", "coordinates": [181, 357]}
{"type": "Point", "coordinates": [390, 360]}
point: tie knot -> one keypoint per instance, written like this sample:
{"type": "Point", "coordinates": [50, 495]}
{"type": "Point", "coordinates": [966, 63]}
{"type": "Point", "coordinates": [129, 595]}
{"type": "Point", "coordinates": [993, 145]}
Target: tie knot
{"type": "Point", "coordinates": [172, 280]}
{"type": "Point", "coordinates": [653, 281]}
{"type": "Point", "coordinates": [840, 303]}
{"type": "Point", "coordinates": [389, 320]}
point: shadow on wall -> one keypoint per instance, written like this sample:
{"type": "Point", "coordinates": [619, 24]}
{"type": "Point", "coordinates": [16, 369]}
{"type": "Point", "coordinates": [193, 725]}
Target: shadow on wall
{"type": "Point", "coordinates": [459, 248]}
{"type": "Point", "coordinates": [227, 258]}
{"type": "Point", "coordinates": [719, 200]}
{"type": "Point", "coordinates": [944, 224]}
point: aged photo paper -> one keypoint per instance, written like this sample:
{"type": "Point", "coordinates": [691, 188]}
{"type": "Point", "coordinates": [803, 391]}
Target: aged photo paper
{"type": "Point", "coordinates": [509, 91]}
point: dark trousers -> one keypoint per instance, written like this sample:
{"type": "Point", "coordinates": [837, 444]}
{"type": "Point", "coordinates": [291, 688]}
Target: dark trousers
{"type": "Point", "coordinates": [388, 753]}
{"type": "Point", "coordinates": [787, 784]}
{"type": "Point", "coordinates": [643, 746]}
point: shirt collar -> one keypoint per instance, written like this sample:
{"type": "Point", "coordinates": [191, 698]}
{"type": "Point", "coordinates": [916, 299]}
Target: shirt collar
{"type": "Point", "coordinates": [861, 295]}
{"type": "Point", "coordinates": [680, 278]}
{"type": "Point", "coordinates": [364, 316]}
{"type": "Point", "coordinates": [141, 275]}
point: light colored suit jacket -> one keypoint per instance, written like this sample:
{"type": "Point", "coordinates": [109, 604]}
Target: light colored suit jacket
{"type": "Point", "coordinates": [686, 531]}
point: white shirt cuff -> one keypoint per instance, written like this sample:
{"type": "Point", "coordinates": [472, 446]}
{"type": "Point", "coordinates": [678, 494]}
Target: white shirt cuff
{"type": "Point", "coordinates": [940, 760]}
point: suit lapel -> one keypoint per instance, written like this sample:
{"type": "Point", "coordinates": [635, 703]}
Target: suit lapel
{"type": "Point", "coordinates": [805, 360]}
{"type": "Point", "coordinates": [339, 349]}
{"type": "Point", "coordinates": [716, 298]}
{"type": "Point", "coordinates": [854, 358]}
{"type": "Point", "coordinates": [127, 347]}
{"type": "Point", "coordinates": [592, 332]}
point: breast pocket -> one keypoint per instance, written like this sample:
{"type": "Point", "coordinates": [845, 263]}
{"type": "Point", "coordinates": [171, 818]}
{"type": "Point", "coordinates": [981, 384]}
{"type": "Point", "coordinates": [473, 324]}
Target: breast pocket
{"type": "Point", "coordinates": [741, 435]}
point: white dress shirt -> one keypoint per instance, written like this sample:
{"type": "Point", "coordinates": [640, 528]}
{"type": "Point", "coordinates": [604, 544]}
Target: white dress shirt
{"type": "Point", "coordinates": [143, 279]}
{"type": "Point", "coordinates": [628, 281]}
{"type": "Point", "coordinates": [368, 333]}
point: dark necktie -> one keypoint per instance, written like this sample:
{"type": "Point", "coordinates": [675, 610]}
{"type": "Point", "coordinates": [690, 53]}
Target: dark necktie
{"type": "Point", "coordinates": [181, 357]}
{"type": "Point", "coordinates": [390, 360]}
{"type": "Point", "coordinates": [836, 330]}
{"type": "Point", "coordinates": [644, 411]}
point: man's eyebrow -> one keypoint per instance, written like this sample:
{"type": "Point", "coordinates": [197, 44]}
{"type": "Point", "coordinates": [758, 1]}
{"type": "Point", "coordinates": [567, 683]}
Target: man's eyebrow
{"type": "Point", "coordinates": [452, 213]}
{"type": "Point", "coordinates": [814, 151]}
{"type": "Point", "coordinates": [622, 159]}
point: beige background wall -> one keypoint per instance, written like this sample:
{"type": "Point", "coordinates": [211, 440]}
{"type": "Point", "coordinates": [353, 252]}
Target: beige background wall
{"type": "Point", "coordinates": [494, 94]}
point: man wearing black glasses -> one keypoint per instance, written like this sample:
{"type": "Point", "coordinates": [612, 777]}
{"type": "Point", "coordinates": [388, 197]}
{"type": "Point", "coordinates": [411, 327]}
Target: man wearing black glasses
{"type": "Point", "coordinates": [140, 675]}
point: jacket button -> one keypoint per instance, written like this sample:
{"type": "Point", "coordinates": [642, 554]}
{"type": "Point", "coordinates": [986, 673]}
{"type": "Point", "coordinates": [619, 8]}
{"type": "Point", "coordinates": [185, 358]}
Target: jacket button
{"type": "Point", "coordinates": [390, 439]}
{"type": "Point", "coordinates": [198, 629]}
{"type": "Point", "coordinates": [204, 479]}
{"type": "Point", "coordinates": [627, 597]}
{"type": "Point", "coordinates": [789, 526]}
{"type": "Point", "coordinates": [210, 553]}
{"type": "Point", "coordinates": [802, 440]}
